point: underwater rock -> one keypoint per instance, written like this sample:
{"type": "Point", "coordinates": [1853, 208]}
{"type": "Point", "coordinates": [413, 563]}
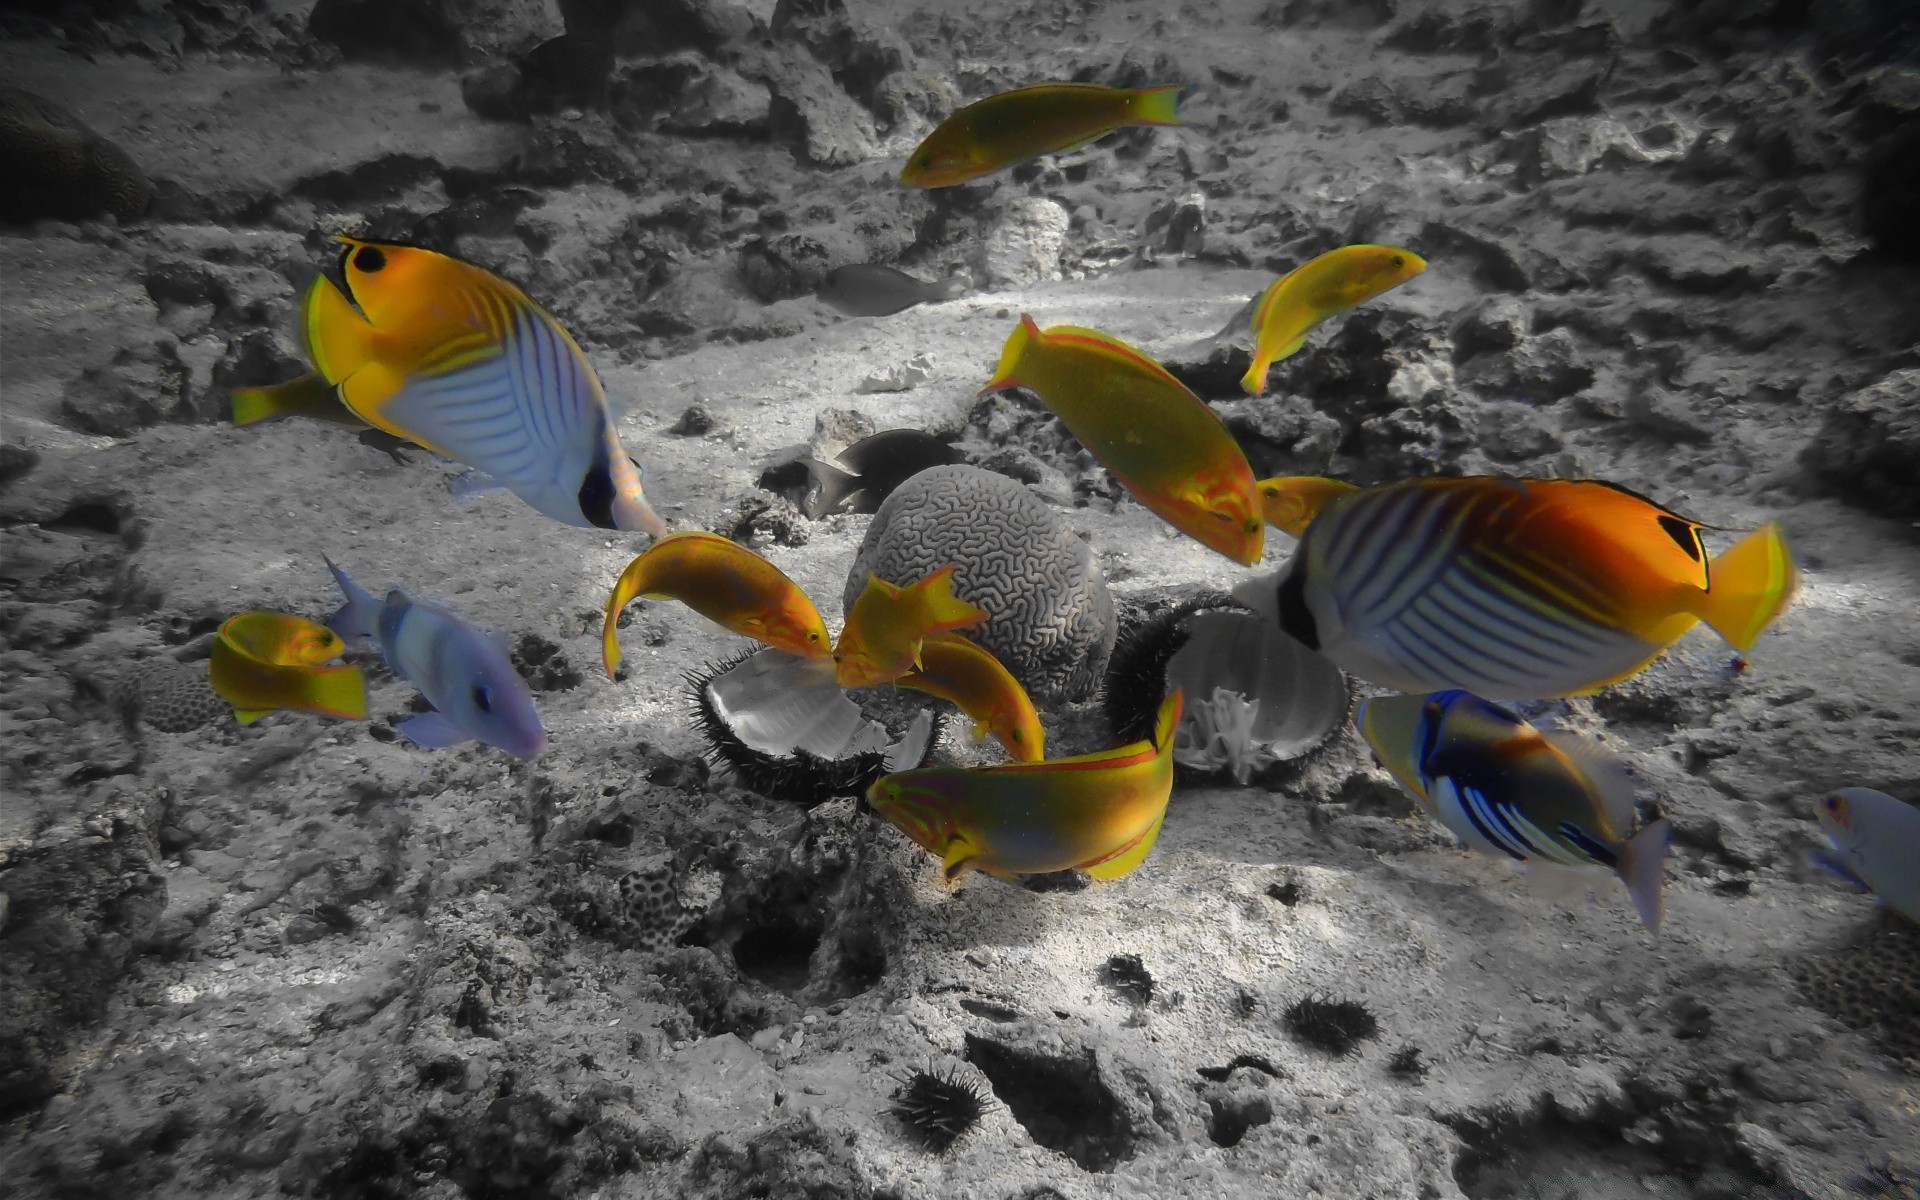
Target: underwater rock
{"type": "Point", "coordinates": [1024, 246]}
{"type": "Point", "coordinates": [1888, 186]}
{"type": "Point", "coordinates": [1868, 448]}
{"type": "Point", "coordinates": [809, 110]}
{"type": "Point", "coordinates": [59, 168]}
{"type": "Point", "coordinates": [440, 32]}
{"type": "Point", "coordinates": [1049, 616]}
{"type": "Point", "coordinates": [654, 27]}
{"type": "Point", "coordinates": [721, 103]}
{"type": "Point", "coordinates": [143, 386]}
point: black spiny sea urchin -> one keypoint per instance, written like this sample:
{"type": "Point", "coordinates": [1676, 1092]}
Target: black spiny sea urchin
{"type": "Point", "coordinates": [1336, 1026]}
{"type": "Point", "coordinates": [938, 1109]}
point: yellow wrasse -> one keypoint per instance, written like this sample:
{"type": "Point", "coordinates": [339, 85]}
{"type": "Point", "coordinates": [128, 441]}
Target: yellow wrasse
{"type": "Point", "coordinates": [1099, 813]}
{"type": "Point", "coordinates": [1162, 442]}
{"type": "Point", "coordinates": [1315, 290]}
{"type": "Point", "coordinates": [308, 396]}
{"type": "Point", "coordinates": [881, 640]}
{"type": "Point", "coordinates": [1290, 502]}
{"type": "Point", "coordinates": [1008, 129]}
{"type": "Point", "coordinates": [969, 677]}
{"type": "Point", "coordinates": [454, 358]}
{"type": "Point", "coordinates": [266, 661]}
{"type": "Point", "coordinates": [1512, 589]}
{"type": "Point", "coordinates": [724, 582]}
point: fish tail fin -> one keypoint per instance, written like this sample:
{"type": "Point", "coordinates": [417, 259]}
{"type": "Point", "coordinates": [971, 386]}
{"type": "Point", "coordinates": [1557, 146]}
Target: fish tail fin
{"type": "Point", "coordinates": [339, 692]}
{"type": "Point", "coordinates": [337, 336]}
{"type": "Point", "coordinates": [359, 618]}
{"type": "Point", "coordinates": [1122, 864]}
{"type": "Point", "coordinates": [1748, 586]}
{"type": "Point", "coordinates": [1254, 382]}
{"type": "Point", "coordinates": [1643, 868]}
{"type": "Point", "coordinates": [950, 289]}
{"type": "Point", "coordinates": [631, 512]}
{"type": "Point", "coordinates": [1167, 721]}
{"type": "Point", "coordinates": [832, 488]}
{"type": "Point", "coordinates": [1006, 375]}
{"type": "Point", "coordinates": [943, 608]}
{"type": "Point", "coordinates": [254, 404]}
{"type": "Point", "coordinates": [1158, 105]}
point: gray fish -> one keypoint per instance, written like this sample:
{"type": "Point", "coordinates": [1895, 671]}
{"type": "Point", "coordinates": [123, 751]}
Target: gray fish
{"type": "Point", "coordinates": [865, 473]}
{"type": "Point", "coordinates": [872, 290]}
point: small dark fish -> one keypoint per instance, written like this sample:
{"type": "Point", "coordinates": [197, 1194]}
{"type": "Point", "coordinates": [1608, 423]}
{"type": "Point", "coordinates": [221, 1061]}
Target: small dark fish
{"type": "Point", "coordinates": [865, 473]}
{"type": "Point", "coordinates": [871, 290]}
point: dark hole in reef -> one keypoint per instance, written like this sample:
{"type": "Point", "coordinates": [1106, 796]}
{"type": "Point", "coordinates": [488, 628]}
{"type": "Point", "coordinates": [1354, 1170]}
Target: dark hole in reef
{"type": "Point", "coordinates": [1287, 891]}
{"type": "Point", "coordinates": [778, 951]}
{"type": "Point", "coordinates": [1229, 1119]}
{"type": "Point", "coordinates": [1060, 1102]}
{"type": "Point", "coordinates": [88, 516]}
{"type": "Point", "coordinates": [1518, 1156]}
{"type": "Point", "coordinates": [862, 964]}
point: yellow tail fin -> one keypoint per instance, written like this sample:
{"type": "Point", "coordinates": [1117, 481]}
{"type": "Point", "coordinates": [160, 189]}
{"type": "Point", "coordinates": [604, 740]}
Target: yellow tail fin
{"type": "Point", "coordinates": [1254, 382]}
{"type": "Point", "coordinates": [339, 692]}
{"type": "Point", "coordinates": [945, 610]}
{"type": "Point", "coordinates": [1158, 105]}
{"type": "Point", "coordinates": [1748, 586]}
{"type": "Point", "coordinates": [1006, 375]}
{"type": "Point", "coordinates": [1136, 854]}
{"type": "Point", "coordinates": [308, 396]}
{"type": "Point", "coordinates": [1167, 721]}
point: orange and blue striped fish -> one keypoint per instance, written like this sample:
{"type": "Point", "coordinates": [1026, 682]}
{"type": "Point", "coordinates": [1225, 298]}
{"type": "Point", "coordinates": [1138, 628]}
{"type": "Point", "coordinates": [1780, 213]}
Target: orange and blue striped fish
{"type": "Point", "coordinates": [1100, 813]}
{"type": "Point", "coordinates": [1507, 789]}
{"type": "Point", "coordinates": [266, 662]}
{"type": "Point", "coordinates": [458, 360]}
{"type": "Point", "coordinates": [1512, 589]}
{"type": "Point", "coordinates": [1162, 442]}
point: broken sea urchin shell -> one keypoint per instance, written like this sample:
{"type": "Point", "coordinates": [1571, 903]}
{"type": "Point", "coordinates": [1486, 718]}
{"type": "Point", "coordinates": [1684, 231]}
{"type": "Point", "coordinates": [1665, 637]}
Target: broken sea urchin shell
{"type": "Point", "coordinates": [790, 733]}
{"type": "Point", "coordinates": [1258, 696]}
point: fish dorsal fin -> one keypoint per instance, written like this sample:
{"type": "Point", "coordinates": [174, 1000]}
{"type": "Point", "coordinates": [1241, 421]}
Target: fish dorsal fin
{"type": "Point", "coordinates": [1611, 781]}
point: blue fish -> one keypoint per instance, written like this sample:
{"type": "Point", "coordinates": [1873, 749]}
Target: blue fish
{"type": "Point", "coordinates": [463, 671]}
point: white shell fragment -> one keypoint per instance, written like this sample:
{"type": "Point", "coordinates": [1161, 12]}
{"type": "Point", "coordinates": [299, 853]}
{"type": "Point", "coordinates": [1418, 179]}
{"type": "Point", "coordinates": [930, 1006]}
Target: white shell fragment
{"type": "Point", "coordinates": [1256, 696]}
{"type": "Point", "coordinates": [777, 702]}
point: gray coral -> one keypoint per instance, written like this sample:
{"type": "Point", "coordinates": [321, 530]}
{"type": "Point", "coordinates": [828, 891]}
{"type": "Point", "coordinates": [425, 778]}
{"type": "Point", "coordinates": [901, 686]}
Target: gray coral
{"type": "Point", "coordinates": [57, 167]}
{"type": "Point", "coordinates": [175, 697]}
{"type": "Point", "coordinates": [1050, 618]}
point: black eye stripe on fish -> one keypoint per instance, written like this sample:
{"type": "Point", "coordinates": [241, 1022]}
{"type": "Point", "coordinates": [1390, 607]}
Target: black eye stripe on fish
{"type": "Point", "coordinates": [1296, 619]}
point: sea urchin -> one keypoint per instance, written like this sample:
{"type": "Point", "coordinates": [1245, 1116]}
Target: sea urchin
{"type": "Point", "coordinates": [1336, 1026]}
{"type": "Point", "coordinates": [938, 1109]}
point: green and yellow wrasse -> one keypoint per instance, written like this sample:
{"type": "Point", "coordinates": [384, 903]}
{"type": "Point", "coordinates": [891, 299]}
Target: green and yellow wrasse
{"type": "Point", "coordinates": [458, 360]}
{"type": "Point", "coordinates": [1099, 813]}
{"type": "Point", "coordinates": [1008, 129]}
{"type": "Point", "coordinates": [268, 661]}
{"type": "Point", "coordinates": [1290, 502]}
{"type": "Point", "coordinates": [1505, 788]}
{"type": "Point", "coordinates": [1162, 442]}
{"type": "Point", "coordinates": [882, 638]}
{"type": "Point", "coordinates": [1317, 289]}
{"type": "Point", "coordinates": [724, 582]}
{"type": "Point", "coordinates": [1513, 589]}
{"type": "Point", "coordinates": [969, 677]}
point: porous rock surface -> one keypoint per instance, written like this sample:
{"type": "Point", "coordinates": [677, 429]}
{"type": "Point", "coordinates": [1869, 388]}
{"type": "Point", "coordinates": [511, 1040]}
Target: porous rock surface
{"type": "Point", "coordinates": [1049, 615]}
{"type": "Point", "coordinates": [305, 958]}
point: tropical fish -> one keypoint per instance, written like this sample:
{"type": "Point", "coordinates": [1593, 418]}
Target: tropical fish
{"type": "Point", "coordinates": [1504, 787]}
{"type": "Point", "coordinates": [865, 473]}
{"type": "Point", "coordinates": [1319, 288]}
{"type": "Point", "coordinates": [1513, 589]}
{"type": "Point", "coordinates": [969, 677]}
{"type": "Point", "coordinates": [308, 396]}
{"type": "Point", "coordinates": [267, 661]}
{"type": "Point", "coordinates": [1876, 845]}
{"type": "Point", "coordinates": [881, 639]}
{"type": "Point", "coordinates": [1160, 440]}
{"type": "Point", "coordinates": [875, 290]}
{"type": "Point", "coordinates": [456, 359]}
{"type": "Point", "coordinates": [1001, 131]}
{"type": "Point", "coordinates": [1099, 813]}
{"type": "Point", "coordinates": [1290, 502]}
{"type": "Point", "coordinates": [724, 582]}
{"type": "Point", "coordinates": [462, 670]}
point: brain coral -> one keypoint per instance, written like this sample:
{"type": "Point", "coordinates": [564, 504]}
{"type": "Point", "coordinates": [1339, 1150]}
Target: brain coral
{"type": "Point", "coordinates": [174, 697]}
{"type": "Point", "coordinates": [60, 168]}
{"type": "Point", "coordinates": [1050, 618]}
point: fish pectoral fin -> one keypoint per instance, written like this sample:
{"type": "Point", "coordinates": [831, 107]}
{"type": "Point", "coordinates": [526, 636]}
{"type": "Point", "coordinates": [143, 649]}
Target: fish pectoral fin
{"type": "Point", "coordinates": [1131, 855]}
{"type": "Point", "coordinates": [1836, 866]}
{"type": "Point", "coordinates": [959, 856]}
{"type": "Point", "coordinates": [430, 729]}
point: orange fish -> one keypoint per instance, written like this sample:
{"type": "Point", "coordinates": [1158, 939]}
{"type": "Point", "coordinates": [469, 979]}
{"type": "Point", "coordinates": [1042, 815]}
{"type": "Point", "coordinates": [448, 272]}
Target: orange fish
{"type": "Point", "coordinates": [1290, 502]}
{"type": "Point", "coordinates": [969, 677]}
{"type": "Point", "coordinates": [1001, 131]}
{"type": "Point", "coordinates": [1512, 589]}
{"type": "Point", "coordinates": [885, 628]}
{"type": "Point", "coordinates": [724, 582]}
{"type": "Point", "coordinates": [458, 360]}
{"type": "Point", "coordinates": [1315, 290]}
{"type": "Point", "coordinates": [267, 661]}
{"type": "Point", "coordinates": [1161, 441]}
{"type": "Point", "coordinates": [1099, 813]}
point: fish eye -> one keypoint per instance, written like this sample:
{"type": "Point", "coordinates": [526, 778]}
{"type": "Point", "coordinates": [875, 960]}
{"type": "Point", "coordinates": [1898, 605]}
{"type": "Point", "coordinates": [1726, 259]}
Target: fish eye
{"type": "Point", "coordinates": [813, 637]}
{"type": "Point", "coordinates": [1399, 260]}
{"type": "Point", "coordinates": [369, 259]}
{"type": "Point", "coordinates": [483, 699]}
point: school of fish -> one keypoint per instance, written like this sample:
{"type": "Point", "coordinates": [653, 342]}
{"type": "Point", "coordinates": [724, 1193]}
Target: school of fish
{"type": "Point", "coordinates": [1453, 596]}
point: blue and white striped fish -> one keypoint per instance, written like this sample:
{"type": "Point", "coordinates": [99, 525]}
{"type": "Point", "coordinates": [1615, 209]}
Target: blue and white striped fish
{"type": "Point", "coordinates": [442, 353]}
{"type": "Point", "coordinates": [463, 671]}
{"type": "Point", "coordinates": [1506, 788]}
{"type": "Point", "coordinates": [1513, 589]}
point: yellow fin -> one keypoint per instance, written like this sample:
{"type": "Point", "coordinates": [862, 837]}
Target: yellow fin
{"type": "Point", "coordinates": [247, 716]}
{"type": "Point", "coordinates": [308, 396]}
{"type": "Point", "coordinates": [1157, 105]}
{"type": "Point", "coordinates": [1748, 586]}
{"type": "Point", "coordinates": [1120, 865]}
{"type": "Point", "coordinates": [941, 606]}
{"type": "Point", "coordinates": [1005, 375]}
{"type": "Point", "coordinates": [1166, 720]}
{"type": "Point", "coordinates": [339, 339]}
{"type": "Point", "coordinates": [958, 857]}
{"type": "Point", "coordinates": [339, 692]}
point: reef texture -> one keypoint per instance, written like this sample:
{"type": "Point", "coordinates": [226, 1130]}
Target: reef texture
{"type": "Point", "coordinates": [305, 958]}
{"type": "Point", "coordinates": [1049, 616]}
{"type": "Point", "coordinates": [57, 167]}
